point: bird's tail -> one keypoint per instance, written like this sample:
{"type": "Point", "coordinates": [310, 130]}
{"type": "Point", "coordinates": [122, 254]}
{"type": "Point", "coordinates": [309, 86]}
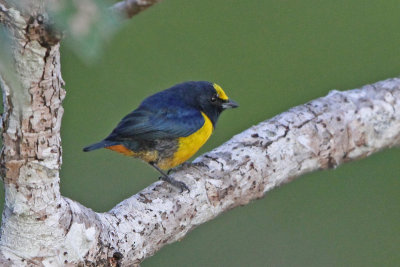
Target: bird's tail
{"type": "Point", "coordinates": [101, 144]}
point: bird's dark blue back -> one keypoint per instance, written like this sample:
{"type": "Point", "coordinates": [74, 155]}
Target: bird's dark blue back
{"type": "Point", "coordinates": [183, 95]}
{"type": "Point", "coordinates": [169, 127]}
{"type": "Point", "coordinates": [171, 113]}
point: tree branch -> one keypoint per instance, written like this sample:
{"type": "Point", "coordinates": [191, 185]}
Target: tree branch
{"type": "Point", "coordinates": [322, 134]}
{"type": "Point", "coordinates": [129, 8]}
{"type": "Point", "coordinates": [40, 227]}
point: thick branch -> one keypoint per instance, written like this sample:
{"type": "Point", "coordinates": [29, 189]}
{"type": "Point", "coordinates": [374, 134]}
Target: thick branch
{"type": "Point", "coordinates": [129, 8]}
{"type": "Point", "coordinates": [322, 134]}
{"type": "Point", "coordinates": [31, 154]}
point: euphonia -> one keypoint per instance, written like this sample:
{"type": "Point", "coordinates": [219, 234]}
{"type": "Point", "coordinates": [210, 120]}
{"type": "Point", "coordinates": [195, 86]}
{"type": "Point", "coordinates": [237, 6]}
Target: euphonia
{"type": "Point", "coordinates": [170, 126]}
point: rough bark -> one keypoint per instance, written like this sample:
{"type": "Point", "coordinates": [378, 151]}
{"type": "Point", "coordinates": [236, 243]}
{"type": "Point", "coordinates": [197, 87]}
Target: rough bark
{"type": "Point", "coordinates": [31, 154]}
{"type": "Point", "coordinates": [40, 227]}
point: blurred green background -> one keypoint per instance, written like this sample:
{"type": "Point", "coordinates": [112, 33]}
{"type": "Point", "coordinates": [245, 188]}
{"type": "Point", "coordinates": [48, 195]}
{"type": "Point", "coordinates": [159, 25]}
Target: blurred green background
{"type": "Point", "coordinates": [268, 56]}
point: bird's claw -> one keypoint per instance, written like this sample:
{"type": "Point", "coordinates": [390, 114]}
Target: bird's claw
{"type": "Point", "coordinates": [181, 185]}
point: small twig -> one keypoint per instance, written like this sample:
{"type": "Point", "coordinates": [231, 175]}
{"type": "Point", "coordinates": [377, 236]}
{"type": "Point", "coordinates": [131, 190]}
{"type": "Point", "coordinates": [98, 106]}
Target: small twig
{"type": "Point", "coordinates": [129, 8]}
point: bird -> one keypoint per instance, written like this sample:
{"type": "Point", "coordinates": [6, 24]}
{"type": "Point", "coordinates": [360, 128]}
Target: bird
{"type": "Point", "coordinates": [169, 127]}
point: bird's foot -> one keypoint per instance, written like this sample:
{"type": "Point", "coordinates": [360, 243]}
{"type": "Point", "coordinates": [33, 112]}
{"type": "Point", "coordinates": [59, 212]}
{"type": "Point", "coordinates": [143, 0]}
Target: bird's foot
{"type": "Point", "coordinates": [165, 177]}
{"type": "Point", "coordinates": [181, 185]}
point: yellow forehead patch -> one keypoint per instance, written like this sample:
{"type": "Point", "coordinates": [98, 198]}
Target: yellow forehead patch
{"type": "Point", "coordinates": [220, 92]}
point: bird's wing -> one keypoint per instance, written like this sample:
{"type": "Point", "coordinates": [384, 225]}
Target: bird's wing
{"type": "Point", "coordinates": [145, 124]}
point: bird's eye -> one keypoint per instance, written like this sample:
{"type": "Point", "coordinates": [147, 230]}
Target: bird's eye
{"type": "Point", "coordinates": [214, 98]}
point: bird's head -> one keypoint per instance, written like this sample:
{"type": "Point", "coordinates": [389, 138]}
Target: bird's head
{"type": "Point", "coordinates": [211, 99]}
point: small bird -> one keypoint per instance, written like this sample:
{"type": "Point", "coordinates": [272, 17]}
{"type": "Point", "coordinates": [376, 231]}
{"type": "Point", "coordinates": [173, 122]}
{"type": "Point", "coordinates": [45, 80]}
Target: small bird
{"type": "Point", "coordinates": [170, 126]}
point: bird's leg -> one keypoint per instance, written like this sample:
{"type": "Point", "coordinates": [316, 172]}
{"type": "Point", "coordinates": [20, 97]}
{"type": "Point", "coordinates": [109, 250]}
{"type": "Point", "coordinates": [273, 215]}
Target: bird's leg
{"type": "Point", "coordinates": [181, 185]}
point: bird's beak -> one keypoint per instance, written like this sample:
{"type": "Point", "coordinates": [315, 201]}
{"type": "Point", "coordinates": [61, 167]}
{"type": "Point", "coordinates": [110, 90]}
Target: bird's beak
{"type": "Point", "coordinates": [229, 104]}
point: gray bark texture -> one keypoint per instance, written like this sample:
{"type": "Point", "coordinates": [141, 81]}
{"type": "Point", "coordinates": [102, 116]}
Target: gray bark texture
{"type": "Point", "coordinates": [42, 228]}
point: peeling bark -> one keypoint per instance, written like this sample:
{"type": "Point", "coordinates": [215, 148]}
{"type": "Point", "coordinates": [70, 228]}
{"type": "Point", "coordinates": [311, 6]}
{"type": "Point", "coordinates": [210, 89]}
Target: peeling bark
{"type": "Point", "coordinates": [40, 227]}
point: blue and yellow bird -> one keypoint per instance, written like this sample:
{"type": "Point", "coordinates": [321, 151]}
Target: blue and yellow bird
{"type": "Point", "coordinates": [170, 126]}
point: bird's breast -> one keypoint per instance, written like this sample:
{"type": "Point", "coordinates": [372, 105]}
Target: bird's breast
{"type": "Point", "coordinates": [189, 145]}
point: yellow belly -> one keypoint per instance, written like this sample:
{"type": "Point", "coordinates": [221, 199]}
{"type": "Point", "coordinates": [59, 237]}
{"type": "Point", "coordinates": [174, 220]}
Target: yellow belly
{"type": "Point", "coordinates": [189, 145]}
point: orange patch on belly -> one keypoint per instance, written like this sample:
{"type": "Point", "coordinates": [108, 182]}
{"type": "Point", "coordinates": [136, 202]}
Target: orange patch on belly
{"type": "Point", "coordinates": [148, 156]}
{"type": "Point", "coordinates": [121, 149]}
